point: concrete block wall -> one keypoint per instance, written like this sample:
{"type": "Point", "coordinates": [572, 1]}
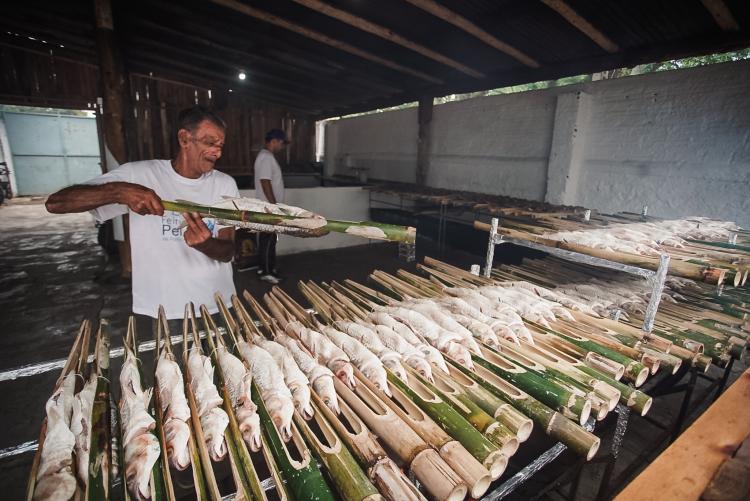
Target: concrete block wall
{"type": "Point", "coordinates": [677, 141]}
{"type": "Point", "coordinates": [385, 143]}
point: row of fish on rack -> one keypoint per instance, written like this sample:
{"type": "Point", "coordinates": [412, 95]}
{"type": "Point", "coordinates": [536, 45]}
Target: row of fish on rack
{"type": "Point", "coordinates": [423, 388]}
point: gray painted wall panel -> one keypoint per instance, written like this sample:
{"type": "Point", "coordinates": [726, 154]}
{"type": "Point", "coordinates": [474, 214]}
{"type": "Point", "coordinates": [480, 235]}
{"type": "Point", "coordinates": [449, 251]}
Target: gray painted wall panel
{"type": "Point", "coordinates": [51, 151]}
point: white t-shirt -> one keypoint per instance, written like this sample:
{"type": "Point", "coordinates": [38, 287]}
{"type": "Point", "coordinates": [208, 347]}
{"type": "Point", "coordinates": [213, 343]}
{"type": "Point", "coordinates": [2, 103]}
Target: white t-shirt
{"type": "Point", "coordinates": [166, 270]}
{"type": "Point", "coordinates": [266, 167]}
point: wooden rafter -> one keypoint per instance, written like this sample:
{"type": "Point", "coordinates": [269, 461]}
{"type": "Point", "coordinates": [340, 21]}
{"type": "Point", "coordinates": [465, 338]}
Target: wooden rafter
{"type": "Point", "coordinates": [320, 37]}
{"type": "Point", "coordinates": [583, 25]}
{"type": "Point", "coordinates": [459, 21]}
{"type": "Point", "coordinates": [387, 34]}
{"type": "Point", "coordinates": [721, 14]}
{"type": "Point", "coordinates": [299, 67]}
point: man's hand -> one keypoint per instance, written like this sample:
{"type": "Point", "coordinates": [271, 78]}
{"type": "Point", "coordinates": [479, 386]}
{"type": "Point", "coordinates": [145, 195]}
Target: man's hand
{"type": "Point", "coordinates": [199, 237]}
{"type": "Point", "coordinates": [139, 199]}
{"type": "Point", "coordinates": [197, 232]}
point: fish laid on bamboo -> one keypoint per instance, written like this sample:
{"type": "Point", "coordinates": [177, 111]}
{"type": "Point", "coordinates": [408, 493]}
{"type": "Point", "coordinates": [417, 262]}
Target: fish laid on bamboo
{"type": "Point", "coordinates": [370, 339]}
{"type": "Point", "coordinates": [80, 426]}
{"type": "Point", "coordinates": [214, 419]}
{"type": "Point", "coordinates": [54, 478]}
{"type": "Point", "coordinates": [262, 216]}
{"type": "Point", "coordinates": [141, 447]}
{"type": "Point", "coordinates": [431, 353]}
{"type": "Point", "coordinates": [324, 350]}
{"type": "Point", "coordinates": [175, 409]}
{"type": "Point", "coordinates": [270, 381]}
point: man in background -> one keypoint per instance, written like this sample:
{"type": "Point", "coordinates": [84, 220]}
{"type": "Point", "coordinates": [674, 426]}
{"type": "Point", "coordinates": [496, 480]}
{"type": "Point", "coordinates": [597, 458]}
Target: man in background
{"type": "Point", "coordinates": [269, 186]}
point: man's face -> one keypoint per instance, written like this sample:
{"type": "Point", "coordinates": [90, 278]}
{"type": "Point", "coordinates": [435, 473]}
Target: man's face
{"type": "Point", "coordinates": [203, 146]}
{"type": "Point", "coordinates": [275, 145]}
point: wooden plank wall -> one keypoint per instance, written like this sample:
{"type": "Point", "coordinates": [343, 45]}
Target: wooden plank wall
{"type": "Point", "coordinates": [38, 79]}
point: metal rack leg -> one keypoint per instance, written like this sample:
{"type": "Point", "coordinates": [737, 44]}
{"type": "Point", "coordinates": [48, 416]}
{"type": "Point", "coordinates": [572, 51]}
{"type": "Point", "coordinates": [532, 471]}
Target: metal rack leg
{"type": "Point", "coordinates": [724, 379]}
{"type": "Point", "coordinates": [685, 404]}
{"type": "Point", "coordinates": [573, 493]}
{"type": "Point", "coordinates": [491, 248]}
{"type": "Point", "coordinates": [623, 418]}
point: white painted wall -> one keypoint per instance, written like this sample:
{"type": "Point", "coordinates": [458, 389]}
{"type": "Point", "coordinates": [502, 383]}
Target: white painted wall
{"type": "Point", "coordinates": [348, 203]}
{"type": "Point", "coordinates": [677, 141]}
{"type": "Point", "coordinates": [497, 144]}
{"type": "Point", "coordinates": [386, 143]}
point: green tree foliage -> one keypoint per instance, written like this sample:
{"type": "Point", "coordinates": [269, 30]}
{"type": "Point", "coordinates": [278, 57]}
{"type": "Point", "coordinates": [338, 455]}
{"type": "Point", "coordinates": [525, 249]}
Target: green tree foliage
{"type": "Point", "coordinates": [641, 69]}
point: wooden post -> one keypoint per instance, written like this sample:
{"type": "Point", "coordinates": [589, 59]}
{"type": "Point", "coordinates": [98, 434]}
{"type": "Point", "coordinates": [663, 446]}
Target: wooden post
{"type": "Point", "coordinates": [114, 89]}
{"type": "Point", "coordinates": [113, 82]}
{"type": "Point", "coordinates": [423, 141]}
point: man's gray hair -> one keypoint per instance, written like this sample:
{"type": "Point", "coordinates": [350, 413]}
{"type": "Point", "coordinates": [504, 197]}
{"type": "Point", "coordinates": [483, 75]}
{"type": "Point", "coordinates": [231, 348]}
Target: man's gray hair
{"type": "Point", "coordinates": [190, 118]}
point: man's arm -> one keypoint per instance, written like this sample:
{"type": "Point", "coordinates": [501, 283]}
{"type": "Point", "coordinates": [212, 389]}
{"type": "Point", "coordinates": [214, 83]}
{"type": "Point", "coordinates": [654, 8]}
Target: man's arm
{"type": "Point", "coordinates": [268, 190]}
{"type": "Point", "coordinates": [198, 236]}
{"type": "Point", "coordinates": [83, 197]}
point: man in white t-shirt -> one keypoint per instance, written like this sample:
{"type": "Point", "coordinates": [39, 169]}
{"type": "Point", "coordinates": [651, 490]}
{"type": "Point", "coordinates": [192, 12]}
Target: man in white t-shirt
{"type": "Point", "coordinates": [172, 265]}
{"type": "Point", "coordinates": [269, 186]}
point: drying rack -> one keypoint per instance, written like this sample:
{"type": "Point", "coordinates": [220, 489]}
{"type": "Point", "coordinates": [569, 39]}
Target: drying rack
{"type": "Point", "coordinates": [655, 278]}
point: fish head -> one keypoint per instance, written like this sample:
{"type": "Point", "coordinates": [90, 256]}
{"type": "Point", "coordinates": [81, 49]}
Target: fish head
{"type": "Point", "coordinates": [301, 398]}
{"type": "Point", "coordinates": [323, 386]}
{"type": "Point", "coordinates": [177, 435]}
{"type": "Point", "coordinates": [281, 411]}
{"type": "Point", "coordinates": [395, 366]}
{"type": "Point", "coordinates": [343, 370]}
{"type": "Point", "coordinates": [250, 429]}
{"type": "Point", "coordinates": [143, 452]}
{"type": "Point", "coordinates": [460, 354]}
{"type": "Point", "coordinates": [422, 367]}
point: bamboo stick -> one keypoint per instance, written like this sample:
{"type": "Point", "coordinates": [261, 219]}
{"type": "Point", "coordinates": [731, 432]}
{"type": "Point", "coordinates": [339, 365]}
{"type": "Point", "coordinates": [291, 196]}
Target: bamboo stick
{"type": "Point", "coordinates": [553, 423]}
{"type": "Point", "coordinates": [438, 478]}
{"type": "Point", "coordinates": [676, 267]}
{"type": "Point", "coordinates": [348, 478]}
{"type": "Point", "coordinates": [367, 229]}
{"type": "Point", "coordinates": [382, 471]}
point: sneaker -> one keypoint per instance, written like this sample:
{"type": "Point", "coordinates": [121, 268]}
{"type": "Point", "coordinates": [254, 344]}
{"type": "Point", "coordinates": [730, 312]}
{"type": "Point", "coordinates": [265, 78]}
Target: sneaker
{"type": "Point", "coordinates": [271, 279]}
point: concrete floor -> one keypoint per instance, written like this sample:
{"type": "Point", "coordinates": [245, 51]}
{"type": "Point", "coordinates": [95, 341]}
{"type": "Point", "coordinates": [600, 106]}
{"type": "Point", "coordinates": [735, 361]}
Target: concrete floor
{"type": "Point", "coordinates": [53, 274]}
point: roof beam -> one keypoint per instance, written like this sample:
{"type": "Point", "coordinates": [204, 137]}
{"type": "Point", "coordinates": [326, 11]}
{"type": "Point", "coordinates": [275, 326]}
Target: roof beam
{"type": "Point", "coordinates": [459, 21]}
{"type": "Point", "coordinates": [333, 76]}
{"type": "Point", "coordinates": [320, 37]}
{"type": "Point", "coordinates": [387, 34]}
{"type": "Point", "coordinates": [583, 25]}
{"type": "Point", "coordinates": [721, 14]}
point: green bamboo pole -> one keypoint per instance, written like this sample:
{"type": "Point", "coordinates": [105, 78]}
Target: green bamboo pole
{"type": "Point", "coordinates": [426, 397]}
{"type": "Point", "coordinates": [342, 469]}
{"type": "Point", "coordinates": [247, 477]}
{"type": "Point", "coordinates": [158, 490]}
{"type": "Point", "coordinates": [635, 371]}
{"type": "Point", "coordinates": [73, 356]}
{"type": "Point", "coordinates": [545, 390]}
{"type": "Point", "coordinates": [199, 452]}
{"type": "Point", "coordinates": [301, 477]}
{"type": "Point", "coordinates": [100, 456]}
{"type": "Point", "coordinates": [384, 473]}
{"type": "Point", "coordinates": [723, 245]}
{"type": "Point", "coordinates": [629, 396]}
{"type": "Point", "coordinates": [493, 430]}
{"type": "Point", "coordinates": [501, 410]}
{"type": "Point", "coordinates": [553, 423]}
{"type": "Point", "coordinates": [367, 229]}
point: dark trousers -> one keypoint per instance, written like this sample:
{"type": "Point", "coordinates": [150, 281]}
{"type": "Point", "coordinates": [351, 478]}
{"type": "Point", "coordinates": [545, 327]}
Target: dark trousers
{"type": "Point", "coordinates": [267, 252]}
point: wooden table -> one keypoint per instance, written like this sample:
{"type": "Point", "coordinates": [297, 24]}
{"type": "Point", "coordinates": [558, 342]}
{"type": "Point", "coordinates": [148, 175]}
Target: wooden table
{"type": "Point", "coordinates": [683, 471]}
